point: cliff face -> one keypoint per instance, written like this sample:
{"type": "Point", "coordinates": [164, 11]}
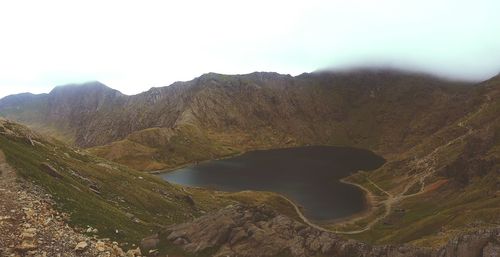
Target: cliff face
{"type": "Point", "coordinates": [382, 110]}
{"type": "Point", "coordinates": [259, 231]}
{"type": "Point", "coordinates": [440, 138]}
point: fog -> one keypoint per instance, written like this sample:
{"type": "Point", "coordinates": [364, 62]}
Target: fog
{"type": "Point", "coordinates": [134, 45]}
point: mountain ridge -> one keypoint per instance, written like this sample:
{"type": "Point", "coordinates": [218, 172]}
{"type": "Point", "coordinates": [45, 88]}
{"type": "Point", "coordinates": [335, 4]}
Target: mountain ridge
{"type": "Point", "coordinates": [80, 201]}
{"type": "Point", "coordinates": [273, 103]}
{"type": "Point", "coordinates": [440, 137]}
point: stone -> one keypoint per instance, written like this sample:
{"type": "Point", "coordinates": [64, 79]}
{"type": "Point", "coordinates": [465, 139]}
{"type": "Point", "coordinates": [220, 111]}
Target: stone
{"type": "Point", "coordinates": [118, 251]}
{"type": "Point", "coordinates": [149, 243]}
{"type": "Point", "coordinates": [81, 246]}
{"type": "Point", "coordinates": [491, 250]}
{"type": "Point", "coordinates": [133, 253]}
{"type": "Point", "coordinates": [5, 218]}
{"type": "Point", "coordinates": [26, 246]}
{"type": "Point", "coordinates": [47, 168]}
{"type": "Point", "coordinates": [248, 231]}
{"type": "Point", "coordinates": [180, 241]}
{"type": "Point", "coordinates": [100, 246]}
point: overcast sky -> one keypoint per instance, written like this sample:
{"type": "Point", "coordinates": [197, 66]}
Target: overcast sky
{"type": "Point", "coordinates": [134, 45]}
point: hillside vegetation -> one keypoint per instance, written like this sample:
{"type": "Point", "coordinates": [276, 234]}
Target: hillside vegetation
{"type": "Point", "coordinates": [441, 139]}
{"type": "Point", "coordinates": [217, 115]}
{"type": "Point", "coordinates": [121, 203]}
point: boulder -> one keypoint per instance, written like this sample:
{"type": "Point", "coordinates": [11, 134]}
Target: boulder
{"type": "Point", "coordinates": [47, 168]}
{"type": "Point", "coordinates": [248, 231]}
{"type": "Point", "coordinates": [81, 246]}
{"type": "Point", "coordinates": [149, 243]}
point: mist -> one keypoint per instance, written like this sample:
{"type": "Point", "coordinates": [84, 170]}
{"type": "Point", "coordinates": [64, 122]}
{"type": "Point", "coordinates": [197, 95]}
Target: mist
{"type": "Point", "coordinates": [133, 46]}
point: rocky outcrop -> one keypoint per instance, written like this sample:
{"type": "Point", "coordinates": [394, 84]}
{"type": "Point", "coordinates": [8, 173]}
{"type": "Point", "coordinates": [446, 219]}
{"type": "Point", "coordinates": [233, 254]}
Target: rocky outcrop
{"type": "Point", "coordinates": [308, 108]}
{"type": "Point", "coordinates": [30, 226]}
{"type": "Point", "coordinates": [259, 231]}
{"type": "Point", "coordinates": [481, 243]}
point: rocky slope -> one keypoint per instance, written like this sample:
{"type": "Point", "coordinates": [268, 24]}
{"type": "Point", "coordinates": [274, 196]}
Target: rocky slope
{"type": "Point", "coordinates": [221, 115]}
{"type": "Point", "coordinates": [120, 203]}
{"type": "Point", "coordinates": [259, 231]}
{"type": "Point", "coordinates": [31, 226]}
{"type": "Point", "coordinates": [440, 138]}
{"type": "Point", "coordinates": [448, 183]}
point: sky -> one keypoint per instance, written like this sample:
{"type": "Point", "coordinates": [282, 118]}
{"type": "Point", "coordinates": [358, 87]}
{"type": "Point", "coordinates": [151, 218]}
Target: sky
{"type": "Point", "coordinates": [135, 45]}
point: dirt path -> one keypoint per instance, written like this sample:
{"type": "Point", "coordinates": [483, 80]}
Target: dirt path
{"type": "Point", "coordinates": [302, 217]}
{"type": "Point", "coordinates": [369, 226]}
{"type": "Point", "coordinates": [425, 164]}
{"type": "Point", "coordinates": [29, 226]}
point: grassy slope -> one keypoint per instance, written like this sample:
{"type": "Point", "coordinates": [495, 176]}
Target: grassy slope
{"type": "Point", "coordinates": [227, 115]}
{"type": "Point", "coordinates": [462, 193]}
{"type": "Point", "coordinates": [122, 190]}
{"type": "Point", "coordinates": [404, 121]}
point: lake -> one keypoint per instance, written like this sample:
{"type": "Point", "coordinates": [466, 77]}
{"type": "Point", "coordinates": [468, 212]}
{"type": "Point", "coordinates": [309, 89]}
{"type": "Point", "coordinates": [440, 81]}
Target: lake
{"type": "Point", "coordinates": [310, 176]}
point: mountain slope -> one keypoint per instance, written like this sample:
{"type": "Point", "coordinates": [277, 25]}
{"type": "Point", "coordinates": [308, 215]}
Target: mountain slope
{"type": "Point", "coordinates": [447, 184]}
{"type": "Point", "coordinates": [125, 204]}
{"type": "Point", "coordinates": [98, 193]}
{"type": "Point", "coordinates": [440, 138]}
{"type": "Point", "coordinates": [386, 111]}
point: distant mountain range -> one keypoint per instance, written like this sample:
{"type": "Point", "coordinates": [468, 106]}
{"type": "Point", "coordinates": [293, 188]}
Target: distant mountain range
{"type": "Point", "coordinates": [383, 110]}
{"type": "Point", "coordinates": [441, 138]}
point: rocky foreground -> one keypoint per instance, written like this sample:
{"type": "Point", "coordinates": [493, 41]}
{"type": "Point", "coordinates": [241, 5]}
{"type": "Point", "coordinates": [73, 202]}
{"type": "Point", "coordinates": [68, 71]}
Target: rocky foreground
{"type": "Point", "coordinates": [30, 226]}
{"type": "Point", "coordinates": [245, 231]}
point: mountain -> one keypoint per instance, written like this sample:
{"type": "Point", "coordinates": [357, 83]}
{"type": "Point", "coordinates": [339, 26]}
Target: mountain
{"type": "Point", "coordinates": [441, 138]}
{"type": "Point", "coordinates": [217, 115]}
{"type": "Point", "coordinates": [77, 204]}
{"type": "Point", "coordinates": [95, 192]}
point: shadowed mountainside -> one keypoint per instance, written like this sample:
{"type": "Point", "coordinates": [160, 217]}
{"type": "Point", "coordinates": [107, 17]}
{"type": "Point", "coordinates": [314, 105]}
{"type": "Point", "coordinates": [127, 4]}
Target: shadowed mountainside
{"type": "Point", "coordinates": [217, 115]}
{"type": "Point", "coordinates": [98, 198]}
{"type": "Point", "coordinates": [440, 138]}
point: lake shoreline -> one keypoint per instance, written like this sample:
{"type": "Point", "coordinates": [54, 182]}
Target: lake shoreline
{"type": "Point", "coordinates": [369, 201]}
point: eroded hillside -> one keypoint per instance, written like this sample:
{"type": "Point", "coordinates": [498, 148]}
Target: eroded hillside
{"type": "Point", "coordinates": [217, 115]}
{"type": "Point", "coordinates": [440, 138]}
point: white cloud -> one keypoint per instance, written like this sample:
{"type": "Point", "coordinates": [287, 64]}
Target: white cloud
{"type": "Point", "coordinates": [133, 45]}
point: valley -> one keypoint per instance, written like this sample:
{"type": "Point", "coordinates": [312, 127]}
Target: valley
{"type": "Point", "coordinates": [310, 176]}
{"type": "Point", "coordinates": [95, 146]}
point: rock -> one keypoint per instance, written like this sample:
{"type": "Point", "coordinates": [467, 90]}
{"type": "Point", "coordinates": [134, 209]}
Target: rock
{"type": "Point", "coordinates": [27, 235]}
{"type": "Point", "coordinates": [94, 188]}
{"type": "Point", "coordinates": [29, 213]}
{"type": "Point", "coordinates": [491, 250]}
{"type": "Point", "coordinates": [149, 243]}
{"type": "Point", "coordinates": [5, 218]}
{"type": "Point", "coordinates": [117, 251]}
{"type": "Point", "coordinates": [133, 253]}
{"type": "Point", "coordinates": [47, 168]}
{"type": "Point", "coordinates": [81, 246]}
{"type": "Point", "coordinates": [180, 241]}
{"type": "Point", "coordinates": [238, 235]}
{"type": "Point", "coordinates": [100, 246]}
{"type": "Point", "coordinates": [26, 246]}
{"type": "Point", "coordinates": [248, 231]}
{"type": "Point", "coordinates": [472, 244]}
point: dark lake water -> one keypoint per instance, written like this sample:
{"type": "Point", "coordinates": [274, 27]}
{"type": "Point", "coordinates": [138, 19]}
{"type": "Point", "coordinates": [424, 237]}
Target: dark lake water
{"type": "Point", "coordinates": [308, 175]}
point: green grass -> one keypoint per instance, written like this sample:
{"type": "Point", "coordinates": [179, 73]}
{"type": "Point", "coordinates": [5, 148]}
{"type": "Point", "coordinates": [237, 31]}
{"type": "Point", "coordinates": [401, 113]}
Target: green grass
{"type": "Point", "coordinates": [122, 190]}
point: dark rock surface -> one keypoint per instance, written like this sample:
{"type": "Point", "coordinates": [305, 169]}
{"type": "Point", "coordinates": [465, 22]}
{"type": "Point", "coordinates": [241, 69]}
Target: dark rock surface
{"type": "Point", "coordinates": [259, 231]}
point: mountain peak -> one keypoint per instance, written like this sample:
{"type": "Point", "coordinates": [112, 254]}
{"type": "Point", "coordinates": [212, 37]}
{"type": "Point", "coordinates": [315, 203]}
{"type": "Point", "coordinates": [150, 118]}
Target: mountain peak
{"type": "Point", "coordinates": [84, 85]}
{"type": "Point", "coordinates": [91, 86]}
